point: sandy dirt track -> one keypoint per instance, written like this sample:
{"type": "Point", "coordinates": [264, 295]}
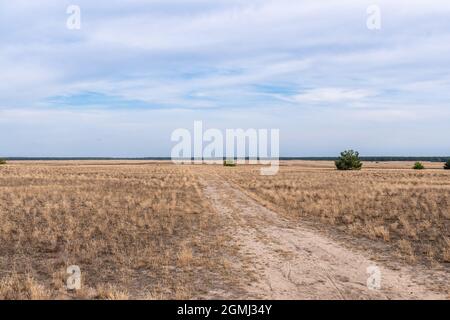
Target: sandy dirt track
{"type": "Point", "coordinates": [292, 261]}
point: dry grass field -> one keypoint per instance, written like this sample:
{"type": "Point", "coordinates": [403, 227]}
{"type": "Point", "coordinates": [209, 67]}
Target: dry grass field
{"type": "Point", "coordinates": [406, 209]}
{"type": "Point", "coordinates": [135, 230]}
{"type": "Point", "coordinates": [153, 230]}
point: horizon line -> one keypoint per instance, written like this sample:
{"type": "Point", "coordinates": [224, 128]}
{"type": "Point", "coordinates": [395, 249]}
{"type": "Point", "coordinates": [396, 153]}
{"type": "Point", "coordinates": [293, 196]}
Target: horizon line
{"type": "Point", "coordinates": [324, 158]}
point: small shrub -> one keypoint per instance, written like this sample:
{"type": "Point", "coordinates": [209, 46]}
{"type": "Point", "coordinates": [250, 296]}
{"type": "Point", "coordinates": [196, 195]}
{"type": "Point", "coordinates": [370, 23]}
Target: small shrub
{"type": "Point", "coordinates": [2, 161]}
{"type": "Point", "coordinates": [418, 166]}
{"type": "Point", "coordinates": [447, 165]}
{"type": "Point", "coordinates": [229, 163]}
{"type": "Point", "coordinates": [349, 160]}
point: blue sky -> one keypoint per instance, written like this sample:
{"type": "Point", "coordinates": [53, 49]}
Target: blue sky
{"type": "Point", "coordinates": [137, 70]}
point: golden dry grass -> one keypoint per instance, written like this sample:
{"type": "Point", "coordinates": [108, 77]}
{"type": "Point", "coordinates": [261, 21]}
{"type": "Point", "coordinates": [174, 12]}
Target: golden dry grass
{"type": "Point", "coordinates": [145, 229]}
{"type": "Point", "coordinates": [136, 230]}
{"type": "Point", "coordinates": [389, 202]}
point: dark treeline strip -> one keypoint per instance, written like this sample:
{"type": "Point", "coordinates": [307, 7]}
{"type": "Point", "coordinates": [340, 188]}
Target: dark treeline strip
{"type": "Point", "coordinates": [378, 158]}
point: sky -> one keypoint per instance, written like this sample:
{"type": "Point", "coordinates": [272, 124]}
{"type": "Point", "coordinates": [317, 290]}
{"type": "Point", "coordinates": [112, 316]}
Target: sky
{"type": "Point", "coordinates": [137, 70]}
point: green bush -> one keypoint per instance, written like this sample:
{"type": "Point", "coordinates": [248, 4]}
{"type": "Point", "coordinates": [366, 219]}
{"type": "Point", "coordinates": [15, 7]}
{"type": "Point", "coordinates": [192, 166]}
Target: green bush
{"type": "Point", "coordinates": [418, 166]}
{"type": "Point", "coordinates": [447, 165]}
{"type": "Point", "coordinates": [229, 163]}
{"type": "Point", "coordinates": [2, 161]}
{"type": "Point", "coordinates": [349, 160]}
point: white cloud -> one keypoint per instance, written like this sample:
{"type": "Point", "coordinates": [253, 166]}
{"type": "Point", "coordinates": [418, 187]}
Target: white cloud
{"type": "Point", "coordinates": [332, 95]}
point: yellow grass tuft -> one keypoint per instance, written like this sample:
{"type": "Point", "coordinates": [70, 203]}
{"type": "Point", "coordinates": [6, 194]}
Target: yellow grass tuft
{"type": "Point", "coordinates": [22, 287]}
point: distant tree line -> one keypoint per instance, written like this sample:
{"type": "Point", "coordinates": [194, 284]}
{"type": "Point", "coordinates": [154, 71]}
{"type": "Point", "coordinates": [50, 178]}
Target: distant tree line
{"type": "Point", "coordinates": [375, 158]}
{"type": "Point", "coordinates": [350, 160]}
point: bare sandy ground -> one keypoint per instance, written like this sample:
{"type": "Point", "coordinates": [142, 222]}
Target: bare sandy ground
{"type": "Point", "coordinates": [291, 261]}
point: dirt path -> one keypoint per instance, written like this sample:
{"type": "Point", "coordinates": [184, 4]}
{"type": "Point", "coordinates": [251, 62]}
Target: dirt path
{"type": "Point", "coordinates": [291, 261]}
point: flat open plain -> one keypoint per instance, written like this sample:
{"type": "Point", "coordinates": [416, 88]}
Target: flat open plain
{"type": "Point", "coordinates": [153, 230]}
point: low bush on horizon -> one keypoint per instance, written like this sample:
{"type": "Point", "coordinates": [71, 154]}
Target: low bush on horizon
{"type": "Point", "coordinates": [349, 160]}
{"type": "Point", "coordinates": [229, 163]}
{"type": "Point", "coordinates": [418, 166]}
{"type": "Point", "coordinates": [447, 165]}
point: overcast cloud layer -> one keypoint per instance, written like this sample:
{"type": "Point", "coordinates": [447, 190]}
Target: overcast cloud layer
{"type": "Point", "coordinates": [139, 69]}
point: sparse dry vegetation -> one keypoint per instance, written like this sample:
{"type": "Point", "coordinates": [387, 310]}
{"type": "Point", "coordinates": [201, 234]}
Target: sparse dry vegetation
{"type": "Point", "coordinates": [135, 230]}
{"type": "Point", "coordinates": [147, 230]}
{"type": "Point", "coordinates": [406, 209]}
